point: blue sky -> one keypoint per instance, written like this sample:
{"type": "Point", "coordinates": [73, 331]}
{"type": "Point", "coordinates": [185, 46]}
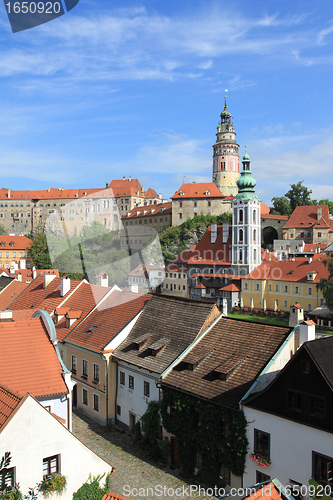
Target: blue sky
{"type": "Point", "coordinates": [135, 88]}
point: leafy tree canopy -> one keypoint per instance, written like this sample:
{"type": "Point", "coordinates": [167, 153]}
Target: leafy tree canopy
{"type": "Point", "coordinates": [281, 206]}
{"type": "Point", "coordinates": [39, 252]}
{"type": "Point", "coordinates": [298, 195]}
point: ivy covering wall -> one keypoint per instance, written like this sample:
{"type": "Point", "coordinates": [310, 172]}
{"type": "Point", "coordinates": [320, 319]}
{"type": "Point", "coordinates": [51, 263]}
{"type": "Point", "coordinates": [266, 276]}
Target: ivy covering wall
{"type": "Point", "coordinates": [218, 434]}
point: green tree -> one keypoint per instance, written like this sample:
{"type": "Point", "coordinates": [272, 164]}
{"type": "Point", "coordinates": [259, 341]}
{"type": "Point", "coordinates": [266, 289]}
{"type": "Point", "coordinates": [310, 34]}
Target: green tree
{"type": "Point", "coordinates": [298, 195]}
{"type": "Point", "coordinates": [326, 285]}
{"type": "Point", "coordinates": [281, 205]}
{"type": "Point", "coordinates": [39, 252]}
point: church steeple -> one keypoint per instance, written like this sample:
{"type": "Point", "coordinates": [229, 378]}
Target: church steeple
{"type": "Point", "coordinates": [246, 234]}
{"type": "Point", "coordinates": [225, 154]}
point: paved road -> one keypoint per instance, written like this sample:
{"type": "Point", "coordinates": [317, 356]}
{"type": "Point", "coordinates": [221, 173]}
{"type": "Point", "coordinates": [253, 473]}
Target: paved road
{"type": "Point", "coordinates": [135, 476]}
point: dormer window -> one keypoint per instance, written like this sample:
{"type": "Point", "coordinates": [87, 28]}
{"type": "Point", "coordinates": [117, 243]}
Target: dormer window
{"type": "Point", "coordinates": [207, 192]}
{"type": "Point", "coordinates": [181, 193]}
{"type": "Point", "coordinates": [158, 346]}
{"type": "Point", "coordinates": [142, 341]}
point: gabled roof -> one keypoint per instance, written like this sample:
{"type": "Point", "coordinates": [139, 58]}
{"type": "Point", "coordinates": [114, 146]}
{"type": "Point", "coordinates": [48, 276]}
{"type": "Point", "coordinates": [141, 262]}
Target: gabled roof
{"type": "Point", "coordinates": [26, 275]}
{"type": "Point", "coordinates": [36, 296]}
{"type": "Point", "coordinates": [231, 288]}
{"type": "Point", "coordinates": [84, 298]}
{"type": "Point", "coordinates": [176, 320]}
{"type": "Point", "coordinates": [197, 190]}
{"type": "Point", "coordinates": [306, 217]}
{"type": "Point", "coordinates": [126, 187]}
{"type": "Point", "coordinates": [291, 270]}
{"type": "Point", "coordinates": [101, 326]}
{"type": "Point", "coordinates": [274, 217]}
{"type": "Point", "coordinates": [8, 403]}
{"type": "Point", "coordinates": [207, 253]}
{"type": "Point", "coordinates": [14, 242]}
{"type": "Point", "coordinates": [321, 351]}
{"type": "Point", "coordinates": [238, 349]}
{"type": "Point", "coordinates": [156, 210]}
{"type": "Point", "coordinates": [8, 294]}
{"type": "Point", "coordinates": [151, 193]}
{"type": "Point", "coordinates": [28, 360]}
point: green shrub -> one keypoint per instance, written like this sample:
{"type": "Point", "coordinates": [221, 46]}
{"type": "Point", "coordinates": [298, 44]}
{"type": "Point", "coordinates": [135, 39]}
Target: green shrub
{"type": "Point", "coordinates": [92, 488]}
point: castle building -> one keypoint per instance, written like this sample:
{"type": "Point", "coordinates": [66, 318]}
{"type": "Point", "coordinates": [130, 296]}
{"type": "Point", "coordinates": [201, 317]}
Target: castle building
{"type": "Point", "coordinates": [246, 244]}
{"type": "Point", "coordinates": [225, 155]}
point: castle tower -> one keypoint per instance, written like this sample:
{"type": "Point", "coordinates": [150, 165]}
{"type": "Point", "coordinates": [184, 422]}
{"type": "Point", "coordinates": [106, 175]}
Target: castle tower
{"type": "Point", "coordinates": [246, 236]}
{"type": "Point", "coordinates": [225, 155]}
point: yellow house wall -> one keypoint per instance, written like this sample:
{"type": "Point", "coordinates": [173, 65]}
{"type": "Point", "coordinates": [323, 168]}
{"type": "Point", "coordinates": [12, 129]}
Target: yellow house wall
{"type": "Point", "coordinates": [267, 290]}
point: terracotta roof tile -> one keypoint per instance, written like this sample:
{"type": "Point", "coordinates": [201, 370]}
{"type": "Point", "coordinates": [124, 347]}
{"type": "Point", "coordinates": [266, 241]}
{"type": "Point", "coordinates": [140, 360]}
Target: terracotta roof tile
{"type": "Point", "coordinates": [230, 288]}
{"type": "Point", "coordinates": [291, 270]}
{"type": "Point", "coordinates": [46, 194]}
{"type": "Point", "coordinates": [8, 294]}
{"type": "Point", "coordinates": [273, 216]}
{"type": "Point", "coordinates": [126, 187]}
{"type": "Point", "coordinates": [114, 496]}
{"type": "Point", "coordinates": [8, 403]}
{"type": "Point", "coordinates": [207, 253]}
{"type": "Point", "coordinates": [101, 326]}
{"type": "Point", "coordinates": [151, 193]}
{"type": "Point", "coordinates": [35, 295]}
{"type": "Point", "coordinates": [240, 349]}
{"type": "Point", "coordinates": [266, 492]}
{"type": "Point", "coordinates": [264, 209]}
{"type": "Point", "coordinates": [197, 190]}
{"type": "Point", "coordinates": [306, 216]}
{"type": "Point", "coordinates": [28, 360]}
{"type": "Point", "coordinates": [20, 242]}
{"type": "Point", "coordinates": [158, 209]}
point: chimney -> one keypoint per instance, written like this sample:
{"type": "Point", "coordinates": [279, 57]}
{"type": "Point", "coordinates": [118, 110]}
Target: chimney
{"type": "Point", "coordinates": [124, 178]}
{"type": "Point", "coordinates": [34, 273]}
{"type": "Point", "coordinates": [130, 178]}
{"type": "Point", "coordinates": [225, 306]}
{"type": "Point", "coordinates": [134, 288]}
{"type": "Point", "coordinates": [307, 331]}
{"type": "Point", "coordinates": [23, 264]}
{"type": "Point", "coordinates": [319, 212]}
{"type": "Point", "coordinates": [103, 279]}
{"type": "Point", "coordinates": [213, 233]}
{"type": "Point", "coordinates": [19, 277]}
{"type": "Point", "coordinates": [6, 315]}
{"type": "Point", "coordinates": [12, 269]}
{"type": "Point", "coordinates": [47, 278]}
{"type": "Point", "coordinates": [296, 315]}
{"type": "Point", "coordinates": [160, 196]}
{"type": "Point", "coordinates": [65, 286]}
{"type": "Point", "coordinates": [225, 235]}
{"type": "Point", "coordinates": [8, 193]}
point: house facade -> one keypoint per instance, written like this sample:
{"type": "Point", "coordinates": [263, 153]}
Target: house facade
{"type": "Point", "coordinates": [294, 413]}
{"type": "Point", "coordinates": [40, 445]}
{"type": "Point", "coordinates": [311, 223]}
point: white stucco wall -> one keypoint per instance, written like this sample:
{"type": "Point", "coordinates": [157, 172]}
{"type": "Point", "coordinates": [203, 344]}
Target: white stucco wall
{"type": "Point", "coordinates": [33, 434]}
{"type": "Point", "coordinates": [291, 447]}
{"type": "Point", "coordinates": [134, 400]}
{"type": "Point", "coordinates": [59, 406]}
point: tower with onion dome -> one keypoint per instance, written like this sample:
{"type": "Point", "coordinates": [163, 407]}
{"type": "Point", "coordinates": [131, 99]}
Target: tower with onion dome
{"type": "Point", "coordinates": [225, 155]}
{"type": "Point", "coordinates": [246, 236]}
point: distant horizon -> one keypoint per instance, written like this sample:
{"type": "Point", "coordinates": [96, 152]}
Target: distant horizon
{"type": "Point", "coordinates": [109, 90]}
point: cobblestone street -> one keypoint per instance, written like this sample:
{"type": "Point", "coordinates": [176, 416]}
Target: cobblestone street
{"type": "Point", "coordinates": [132, 465]}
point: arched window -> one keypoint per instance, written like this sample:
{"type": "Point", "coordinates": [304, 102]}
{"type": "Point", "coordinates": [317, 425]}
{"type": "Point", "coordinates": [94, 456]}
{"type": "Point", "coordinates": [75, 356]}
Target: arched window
{"type": "Point", "coordinates": [241, 216]}
{"type": "Point", "coordinates": [254, 235]}
{"type": "Point", "coordinates": [241, 235]}
{"type": "Point", "coordinates": [211, 271]}
{"type": "Point", "coordinates": [254, 216]}
{"type": "Point", "coordinates": [240, 255]}
{"type": "Point", "coordinates": [255, 255]}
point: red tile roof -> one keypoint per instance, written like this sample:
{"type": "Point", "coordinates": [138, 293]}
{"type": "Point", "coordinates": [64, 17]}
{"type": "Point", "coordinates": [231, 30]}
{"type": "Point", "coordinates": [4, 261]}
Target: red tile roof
{"type": "Point", "coordinates": [84, 298]}
{"type": "Point", "coordinates": [28, 360]}
{"type": "Point", "coordinates": [264, 209]}
{"type": "Point", "coordinates": [197, 190]}
{"type": "Point", "coordinates": [230, 288]}
{"type": "Point", "coordinates": [8, 294]}
{"type": "Point", "coordinates": [291, 270]}
{"type": "Point", "coordinates": [151, 193]}
{"type": "Point", "coordinates": [8, 403]}
{"type": "Point", "coordinates": [274, 217]}
{"type": "Point", "coordinates": [52, 193]}
{"type": "Point", "coordinates": [207, 253]}
{"type": "Point", "coordinates": [158, 209]}
{"type": "Point", "coordinates": [306, 217]}
{"type": "Point", "coordinates": [268, 491]}
{"type": "Point", "coordinates": [114, 496]}
{"type": "Point", "coordinates": [35, 295]}
{"type": "Point", "coordinates": [126, 187]}
{"type": "Point", "coordinates": [20, 242]}
{"type": "Point", "coordinates": [26, 274]}
{"type": "Point", "coordinates": [101, 326]}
